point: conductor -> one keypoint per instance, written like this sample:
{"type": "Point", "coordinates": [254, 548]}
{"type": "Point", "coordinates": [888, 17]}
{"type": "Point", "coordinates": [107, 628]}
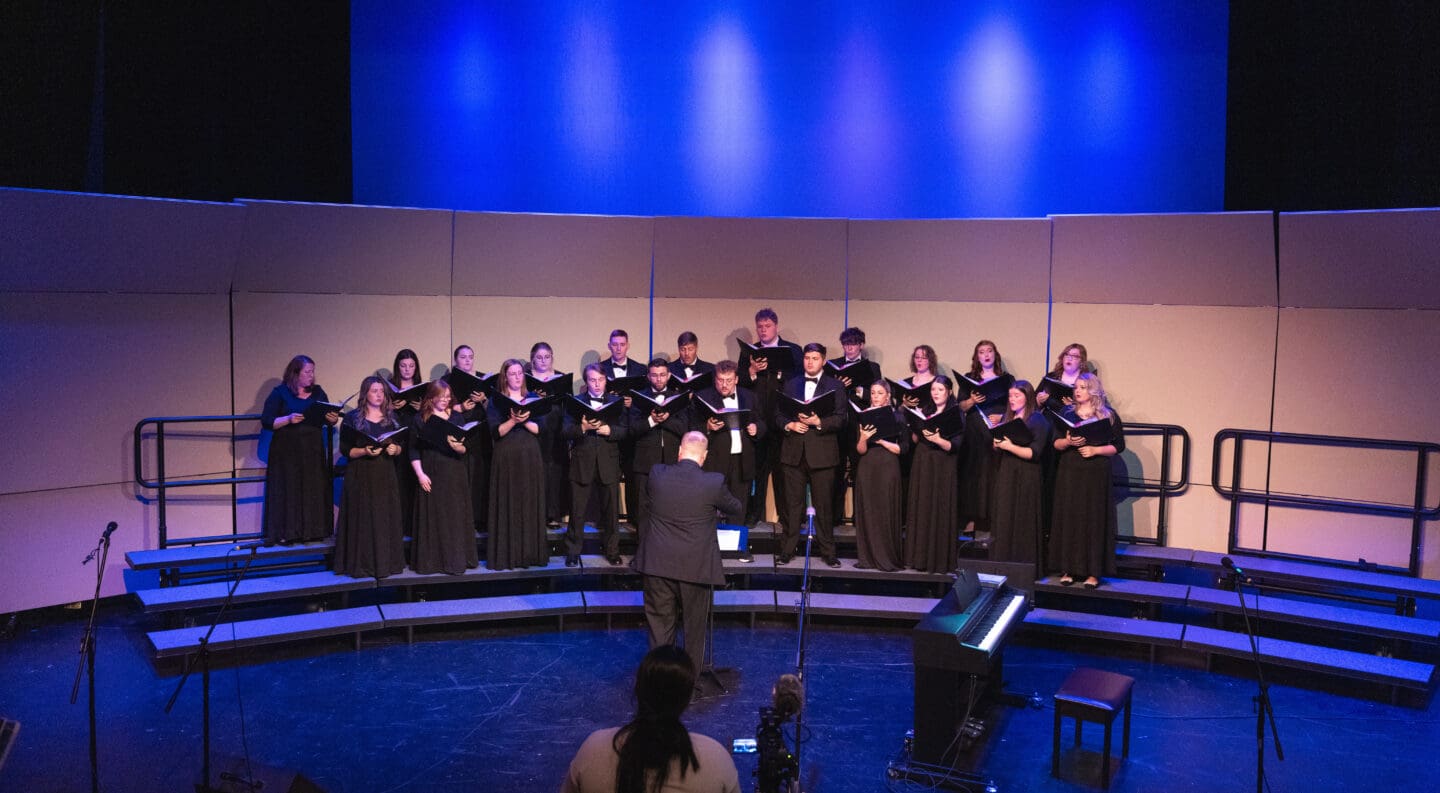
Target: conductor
{"type": "Point", "coordinates": [679, 553]}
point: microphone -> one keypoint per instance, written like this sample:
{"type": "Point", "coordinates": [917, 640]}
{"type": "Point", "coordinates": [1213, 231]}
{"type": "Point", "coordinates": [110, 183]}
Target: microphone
{"type": "Point", "coordinates": [788, 695]}
{"type": "Point", "coordinates": [110, 529]}
{"type": "Point", "coordinates": [1229, 565]}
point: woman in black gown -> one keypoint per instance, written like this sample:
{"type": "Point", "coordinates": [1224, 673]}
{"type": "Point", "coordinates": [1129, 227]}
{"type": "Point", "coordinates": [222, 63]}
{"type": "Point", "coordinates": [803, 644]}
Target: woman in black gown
{"type": "Point", "coordinates": [298, 491]}
{"type": "Point", "coordinates": [1015, 487]}
{"type": "Point", "coordinates": [517, 489]}
{"type": "Point", "coordinates": [1082, 534]}
{"type": "Point", "coordinates": [878, 497]}
{"type": "Point", "coordinates": [477, 462]}
{"type": "Point", "coordinates": [444, 525]}
{"type": "Point", "coordinates": [977, 463]}
{"type": "Point", "coordinates": [369, 537]}
{"type": "Point", "coordinates": [405, 373]}
{"type": "Point", "coordinates": [933, 513]}
{"type": "Point", "coordinates": [554, 451]}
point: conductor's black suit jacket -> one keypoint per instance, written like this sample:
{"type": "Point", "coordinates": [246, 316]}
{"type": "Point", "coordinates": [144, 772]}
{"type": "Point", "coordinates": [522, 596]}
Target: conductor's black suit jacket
{"type": "Point", "coordinates": [678, 540]}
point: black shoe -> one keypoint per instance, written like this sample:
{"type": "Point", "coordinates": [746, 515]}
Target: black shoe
{"type": "Point", "coordinates": [745, 558]}
{"type": "Point", "coordinates": [613, 559]}
{"type": "Point", "coordinates": [832, 561]}
{"type": "Point", "coordinates": [572, 561]}
{"type": "Point", "coordinates": [782, 559]}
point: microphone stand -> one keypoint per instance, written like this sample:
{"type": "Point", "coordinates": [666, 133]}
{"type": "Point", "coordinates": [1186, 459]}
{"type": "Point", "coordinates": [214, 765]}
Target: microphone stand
{"type": "Point", "coordinates": [202, 656]}
{"type": "Point", "coordinates": [800, 649]}
{"type": "Point", "coordinates": [1264, 711]}
{"type": "Point", "coordinates": [86, 666]}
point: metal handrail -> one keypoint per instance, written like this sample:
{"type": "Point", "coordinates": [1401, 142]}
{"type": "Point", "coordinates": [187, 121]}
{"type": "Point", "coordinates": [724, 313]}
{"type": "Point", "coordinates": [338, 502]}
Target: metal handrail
{"type": "Point", "coordinates": [1236, 495]}
{"type": "Point", "coordinates": [161, 484]}
{"type": "Point", "coordinates": [1162, 487]}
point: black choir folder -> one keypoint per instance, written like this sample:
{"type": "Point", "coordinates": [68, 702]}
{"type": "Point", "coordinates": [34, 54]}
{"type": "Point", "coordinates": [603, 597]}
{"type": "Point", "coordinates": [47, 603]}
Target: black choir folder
{"type": "Point", "coordinates": [413, 394]}
{"type": "Point", "coordinates": [996, 391]}
{"type": "Point", "coordinates": [1057, 391]}
{"type": "Point", "coordinates": [861, 373]}
{"type": "Point", "coordinates": [354, 437]}
{"type": "Point", "coordinates": [463, 384]}
{"type": "Point", "coordinates": [1095, 430]}
{"type": "Point", "coordinates": [780, 359]}
{"type": "Point", "coordinates": [560, 385]}
{"type": "Point", "coordinates": [673, 401]}
{"type": "Point", "coordinates": [608, 413]}
{"type": "Point", "coordinates": [537, 405]}
{"type": "Point", "coordinates": [436, 430]}
{"type": "Point", "coordinates": [734, 418]}
{"type": "Point", "coordinates": [902, 389]}
{"type": "Point", "coordinates": [822, 405]}
{"type": "Point", "coordinates": [624, 386]}
{"type": "Point", "coordinates": [317, 411]}
{"type": "Point", "coordinates": [696, 384]}
{"type": "Point", "coordinates": [887, 428]}
{"type": "Point", "coordinates": [1015, 429]}
{"type": "Point", "coordinates": [948, 422]}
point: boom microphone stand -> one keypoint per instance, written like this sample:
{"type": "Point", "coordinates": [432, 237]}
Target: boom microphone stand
{"type": "Point", "coordinates": [87, 651]}
{"type": "Point", "coordinates": [1263, 709]}
{"type": "Point", "coordinates": [800, 648]}
{"type": "Point", "coordinates": [202, 656]}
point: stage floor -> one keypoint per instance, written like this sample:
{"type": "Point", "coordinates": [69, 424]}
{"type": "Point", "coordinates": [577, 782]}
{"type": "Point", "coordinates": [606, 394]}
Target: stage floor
{"type": "Point", "coordinates": [505, 708]}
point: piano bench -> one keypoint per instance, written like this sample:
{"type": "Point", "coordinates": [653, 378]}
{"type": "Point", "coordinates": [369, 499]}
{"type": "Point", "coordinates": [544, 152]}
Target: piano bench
{"type": "Point", "coordinates": [1092, 695]}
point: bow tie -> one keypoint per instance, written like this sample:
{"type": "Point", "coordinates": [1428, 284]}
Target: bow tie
{"type": "Point", "coordinates": [812, 380]}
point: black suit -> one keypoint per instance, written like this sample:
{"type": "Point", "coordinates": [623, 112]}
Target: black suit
{"type": "Point", "coordinates": [738, 469]}
{"type": "Point", "coordinates": [594, 460]}
{"type": "Point", "coordinates": [652, 446]}
{"type": "Point", "coordinates": [767, 457]}
{"type": "Point", "coordinates": [633, 368]}
{"type": "Point", "coordinates": [846, 476]}
{"type": "Point", "coordinates": [679, 555]}
{"type": "Point", "coordinates": [811, 458]}
{"type": "Point", "coordinates": [699, 367]}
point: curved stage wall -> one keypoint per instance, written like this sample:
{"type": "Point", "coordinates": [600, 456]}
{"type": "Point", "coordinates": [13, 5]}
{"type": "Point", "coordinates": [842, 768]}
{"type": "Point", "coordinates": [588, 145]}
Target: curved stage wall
{"type": "Point", "coordinates": [121, 308]}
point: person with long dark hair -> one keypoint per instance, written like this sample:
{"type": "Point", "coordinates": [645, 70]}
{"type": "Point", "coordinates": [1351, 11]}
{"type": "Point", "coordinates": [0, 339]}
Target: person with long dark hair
{"type": "Point", "coordinates": [654, 752]}
{"type": "Point", "coordinates": [931, 536]}
{"type": "Point", "coordinates": [444, 525]}
{"type": "Point", "coordinates": [517, 489]}
{"type": "Point", "coordinates": [1082, 532]}
{"type": "Point", "coordinates": [405, 373]}
{"type": "Point", "coordinates": [369, 537]}
{"type": "Point", "coordinates": [1015, 490]}
{"type": "Point", "coordinates": [298, 493]}
{"type": "Point", "coordinates": [554, 450]}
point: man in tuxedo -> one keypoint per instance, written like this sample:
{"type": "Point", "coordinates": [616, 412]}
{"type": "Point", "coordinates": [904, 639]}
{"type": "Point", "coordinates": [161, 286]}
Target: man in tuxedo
{"type": "Point", "coordinates": [679, 554]}
{"type": "Point", "coordinates": [848, 370]}
{"type": "Point", "coordinates": [655, 432]}
{"type": "Point", "coordinates": [765, 382]}
{"type": "Point", "coordinates": [810, 453]}
{"type": "Point", "coordinates": [688, 364]}
{"type": "Point", "coordinates": [616, 366]}
{"type": "Point", "coordinates": [594, 466]}
{"type": "Point", "coordinates": [732, 451]}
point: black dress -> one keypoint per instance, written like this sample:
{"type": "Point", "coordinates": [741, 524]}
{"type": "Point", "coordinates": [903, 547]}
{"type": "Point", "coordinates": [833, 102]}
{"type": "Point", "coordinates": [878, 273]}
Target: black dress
{"type": "Point", "coordinates": [933, 511]}
{"type": "Point", "coordinates": [555, 457]}
{"type": "Point", "coordinates": [299, 494]}
{"type": "Point", "coordinates": [517, 499]}
{"type": "Point", "coordinates": [405, 475]}
{"type": "Point", "coordinates": [477, 465]}
{"type": "Point", "coordinates": [444, 523]}
{"type": "Point", "coordinates": [1082, 532]}
{"type": "Point", "coordinates": [369, 535]}
{"type": "Point", "coordinates": [879, 502]}
{"type": "Point", "coordinates": [1015, 499]}
{"type": "Point", "coordinates": [977, 469]}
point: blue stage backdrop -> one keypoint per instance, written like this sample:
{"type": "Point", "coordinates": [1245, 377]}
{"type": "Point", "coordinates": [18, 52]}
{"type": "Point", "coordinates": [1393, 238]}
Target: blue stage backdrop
{"type": "Point", "coordinates": [847, 109]}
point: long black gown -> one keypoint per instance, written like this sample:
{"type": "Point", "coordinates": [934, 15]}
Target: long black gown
{"type": "Point", "coordinates": [933, 512]}
{"type": "Point", "coordinates": [879, 502]}
{"type": "Point", "coordinates": [1082, 531]}
{"type": "Point", "coordinates": [977, 468]}
{"type": "Point", "coordinates": [517, 499]}
{"type": "Point", "coordinates": [405, 475]}
{"type": "Point", "coordinates": [444, 523]}
{"type": "Point", "coordinates": [298, 489]}
{"type": "Point", "coordinates": [369, 535]}
{"type": "Point", "coordinates": [1015, 499]}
